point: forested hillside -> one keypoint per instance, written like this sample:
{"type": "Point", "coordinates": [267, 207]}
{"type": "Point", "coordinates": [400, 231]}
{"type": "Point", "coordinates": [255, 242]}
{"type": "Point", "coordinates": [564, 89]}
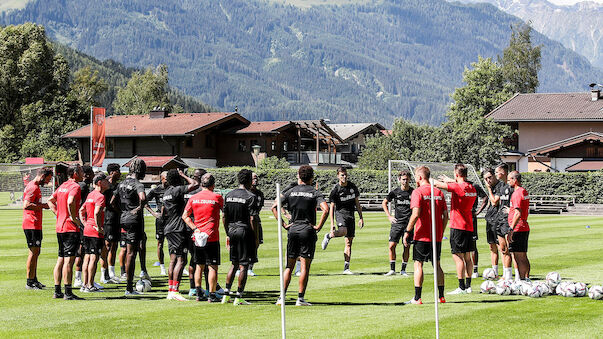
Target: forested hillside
{"type": "Point", "coordinates": [357, 62]}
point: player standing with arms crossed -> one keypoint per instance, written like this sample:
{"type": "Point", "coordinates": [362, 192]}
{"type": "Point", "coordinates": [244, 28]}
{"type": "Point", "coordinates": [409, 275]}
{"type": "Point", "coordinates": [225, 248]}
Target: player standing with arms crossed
{"type": "Point", "coordinates": [258, 227]}
{"type": "Point", "coordinates": [420, 222]}
{"type": "Point", "coordinates": [157, 194]}
{"type": "Point", "coordinates": [93, 211]}
{"type": "Point", "coordinates": [65, 203]}
{"type": "Point", "coordinates": [301, 202]}
{"type": "Point", "coordinates": [32, 224]}
{"type": "Point", "coordinates": [502, 194]}
{"type": "Point", "coordinates": [344, 201]}
{"type": "Point", "coordinates": [400, 196]}
{"type": "Point", "coordinates": [492, 216]}
{"type": "Point", "coordinates": [461, 225]}
{"type": "Point", "coordinates": [85, 186]}
{"type": "Point", "coordinates": [205, 206]}
{"type": "Point", "coordinates": [111, 225]}
{"type": "Point", "coordinates": [518, 221]}
{"type": "Point", "coordinates": [240, 210]}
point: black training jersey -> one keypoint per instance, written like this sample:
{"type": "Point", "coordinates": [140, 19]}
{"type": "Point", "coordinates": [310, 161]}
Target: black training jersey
{"type": "Point", "coordinates": [260, 198]}
{"type": "Point", "coordinates": [504, 191]}
{"type": "Point", "coordinates": [301, 201]}
{"type": "Point", "coordinates": [111, 214]}
{"type": "Point", "coordinates": [190, 194]}
{"type": "Point", "coordinates": [344, 197]}
{"type": "Point", "coordinates": [481, 194]}
{"type": "Point", "coordinates": [173, 207]}
{"type": "Point", "coordinates": [128, 191]}
{"type": "Point", "coordinates": [157, 195]}
{"type": "Point", "coordinates": [401, 200]}
{"type": "Point", "coordinates": [239, 205]}
{"type": "Point", "coordinates": [85, 187]}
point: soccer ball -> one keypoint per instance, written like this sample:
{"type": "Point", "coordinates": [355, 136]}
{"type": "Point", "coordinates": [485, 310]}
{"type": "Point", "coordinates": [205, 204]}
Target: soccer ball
{"type": "Point", "coordinates": [489, 274]}
{"type": "Point", "coordinates": [553, 279]}
{"type": "Point", "coordinates": [544, 288]}
{"type": "Point", "coordinates": [143, 285]}
{"type": "Point", "coordinates": [515, 288]}
{"type": "Point", "coordinates": [569, 290]}
{"type": "Point", "coordinates": [525, 288]}
{"type": "Point", "coordinates": [596, 292]}
{"type": "Point", "coordinates": [560, 289]}
{"type": "Point", "coordinates": [488, 287]}
{"type": "Point", "coordinates": [503, 287]}
{"type": "Point", "coordinates": [535, 291]}
{"type": "Point", "coordinates": [580, 289]}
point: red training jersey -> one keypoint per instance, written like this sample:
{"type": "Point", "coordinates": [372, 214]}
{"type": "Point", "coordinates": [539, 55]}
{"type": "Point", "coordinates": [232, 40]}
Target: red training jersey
{"type": "Point", "coordinates": [421, 198]}
{"type": "Point", "coordinates": [461, 205]}
{"type": "Point", "coordinates": [520, 199]}
{"type": "Point", "coordinates": [32, 220]}
{"type": "Point", "coordinates": [68, 189]}
{"type": "Point", "coordinates": [94, 199]}
{"type": "Point", "coordinates": [206, 206]}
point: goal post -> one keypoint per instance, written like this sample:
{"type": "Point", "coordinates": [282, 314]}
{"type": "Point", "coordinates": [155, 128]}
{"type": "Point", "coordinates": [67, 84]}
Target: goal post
{"type": "Point", "coordinates": [14, 177]}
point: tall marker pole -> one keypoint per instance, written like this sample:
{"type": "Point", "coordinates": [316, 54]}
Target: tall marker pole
{"type": "Point", "coordinates": [434, 259]}
{"type": "Point", "coordinates": [280, 259]}
{"type": "Point", "coordinates": [91, 131]}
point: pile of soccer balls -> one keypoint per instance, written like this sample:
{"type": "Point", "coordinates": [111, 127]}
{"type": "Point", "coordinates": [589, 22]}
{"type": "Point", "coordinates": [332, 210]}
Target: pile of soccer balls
{"type": "Point", "coordinates": [143, 285]}
{"type": "Point", "coordinates": [536, 289]}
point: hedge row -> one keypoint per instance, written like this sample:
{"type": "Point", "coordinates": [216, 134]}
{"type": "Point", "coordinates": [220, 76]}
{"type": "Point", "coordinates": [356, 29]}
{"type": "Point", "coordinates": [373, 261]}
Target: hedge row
{"type": "Point", "coordinates": [586, 187]}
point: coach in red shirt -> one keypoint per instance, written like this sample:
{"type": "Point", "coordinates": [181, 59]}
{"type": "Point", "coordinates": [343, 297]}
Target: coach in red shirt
{"type": "Point", "coordinates": [463, 195]}
{"type": "Point", "coordinates": [65, 203]}
{"type": "Point", "coordinates": [32, 224]}
{"type": "Point", "coordinates": [518, 222]}
{"type": "Point", "coordinates": [420, 221]}
{"type": "Point", "coordinates": [205, 206]}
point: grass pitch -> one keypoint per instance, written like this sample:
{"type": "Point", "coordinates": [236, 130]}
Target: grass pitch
{"type": "Point", "coordinates": [364, 305]}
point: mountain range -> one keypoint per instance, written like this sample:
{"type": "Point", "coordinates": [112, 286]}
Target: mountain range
{"type": "Point", "coordinates": [354, 62]}
{"type": "Point", "coordinates": [578, 27]}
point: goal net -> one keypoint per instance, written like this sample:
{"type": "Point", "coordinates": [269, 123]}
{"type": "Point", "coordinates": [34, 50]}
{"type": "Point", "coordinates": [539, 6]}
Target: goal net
{"type": "Point", "coordinates": [13, 178]}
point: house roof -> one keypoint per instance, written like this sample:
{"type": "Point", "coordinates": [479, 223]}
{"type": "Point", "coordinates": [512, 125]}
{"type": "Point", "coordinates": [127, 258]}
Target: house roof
{"type": "Point", "coordinates": [159, 161]}
{"type": "Point", "coordinates": [175, 124]}
{"type": "Point", "coordinates": [265, 127]}
{"type": "Point", "coordinates": [549, 107]}
{"type": "Point", "coordinates": [586, 165]}
{"type": "Point", "coordinates": [318, 125]}
{"type": "Point", "coordinates": [565, 143]}
{"type": "Point", "coordinates": [349, 131]}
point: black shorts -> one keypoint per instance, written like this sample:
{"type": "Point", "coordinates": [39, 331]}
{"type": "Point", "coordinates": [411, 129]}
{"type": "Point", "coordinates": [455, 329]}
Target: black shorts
{"type": "Point", "coordinates": [502, 228]}
{"type": "Point", "coordinates": [177, 243]}
{"type": "Point", "coordinates": [491, 233]}
{"type": "Point", "coordinates": [421, 251]}
{"type": "Point", "coordinates": [345, 219]}
{"type": "Point", "coordinates": [475, 236]}
{"type": "Point", "coordinates": [122, 239]}
{"type": "Point", "coordinates": [93, 245]}
{"type": "Point", "coordinates": [159, 228]}
{"type": "Point", "coordinates": [301, 241]}
{"type": "Point", "coordinates": [69, 243]}
{"type": "Point", "coordinates": [81, 250]}
{"type": "Point", "coordinates": [242, 246]}
{"type": "Point", "coordinates": [112, 232]}
{"type": "Point", "coordinates": [461, 241]}
{"type": "Point", "coordinates": [260, 233]}
{"type": "Point", "coordinates": [520, 242]}
{"type": "Point", "coordinates": [397, 232]}
{"type": "Point", "coordinates": [33, 238]}
{"type": "Point", "coordinates": [135, 234]}
{"type": "Point", "coordinates": [208, 255]}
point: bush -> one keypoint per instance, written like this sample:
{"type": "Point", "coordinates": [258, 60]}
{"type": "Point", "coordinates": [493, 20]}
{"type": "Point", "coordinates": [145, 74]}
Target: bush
{"type": "Point", "coordinates": [273, 162]}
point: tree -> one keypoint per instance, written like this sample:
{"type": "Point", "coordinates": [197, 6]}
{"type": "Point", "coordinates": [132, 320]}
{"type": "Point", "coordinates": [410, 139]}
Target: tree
{"type": "Point", "coordinates": [469, 137]}
{"type": "Point", "coordinates": [521, 61]}
{"type": "Point", "coordinates": [143, 92]}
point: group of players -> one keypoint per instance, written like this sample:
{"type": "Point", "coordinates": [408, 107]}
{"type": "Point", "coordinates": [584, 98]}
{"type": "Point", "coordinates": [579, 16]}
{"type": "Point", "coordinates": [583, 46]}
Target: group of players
{"type": "Point", "coordinates": [92, 222]}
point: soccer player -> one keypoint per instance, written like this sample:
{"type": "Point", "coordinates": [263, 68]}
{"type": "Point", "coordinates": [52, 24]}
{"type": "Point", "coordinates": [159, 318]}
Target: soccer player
{"type": "Point", "coordinates": [190, 271]}
{"type": "Point", "coordinates": [301, 201]}
{"type": "Point", "coordinates": [240, 210]}
{"type": "Point", "coordinates": [518, 221]}
{"type": "Point", "coordinates": [287, 215]}
{"type": "Point", "coordinates": [111, 225]}
{"type": "Point", "coordinates": [65, 203]}
{"type": "Point", "coordinates": [156, 194]}
{"type": "Point", "coordinates": [175, 228]}
{"type": "Point", "coordinates": [461, 224]}
{"type": "Point", "coordinates": [132, 199]}
{"type": "Point", "coordinates": [93, 211]}
{"type": "Point", "coordinates": [481, 194]}
{"type": "Point", "coordinates": [502, 195]}
{"type": "Point", "coordinates": [492, 216]}
{"type": "Point", "coordinates": [258, 227]}
{"type": "Point", "coordinates": [400, 196]}
{"type": "Point", "coordinates": [420, 222]}
{"type": "Point", "coordinates": [205, 207]}
{"type": "Point", "coordinates": [344, 200]}
{"type": "Point", "coordinates": [32, 224]}
{"type": "Point", "coordinates": [79, 259]}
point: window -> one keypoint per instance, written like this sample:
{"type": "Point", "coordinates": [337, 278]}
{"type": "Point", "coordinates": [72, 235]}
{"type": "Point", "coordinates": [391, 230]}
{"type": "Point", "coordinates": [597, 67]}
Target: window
{"type": "Point", "coordinates": [242, 146]}
{"type": "Point", "coordinates": [273, 146]}
{"type": "Point", "coordinates": [110, 147]}
{"type": "Point", "coordinates": [285, 146]}
{"type": "Point", "coordinates": [253, 143]}
{"type": "Point", "coordinates": [188, 142]}
{"type": "Point", "coordinates": [209, 141]}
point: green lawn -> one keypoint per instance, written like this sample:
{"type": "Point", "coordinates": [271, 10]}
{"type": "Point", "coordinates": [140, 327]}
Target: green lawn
{"type": "Point", "coordinates": [364, 305]}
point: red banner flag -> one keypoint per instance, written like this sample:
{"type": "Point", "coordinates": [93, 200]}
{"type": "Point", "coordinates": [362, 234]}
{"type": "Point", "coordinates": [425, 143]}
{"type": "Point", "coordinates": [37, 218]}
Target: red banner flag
{"type": "Point", "coordinates": [98, 136]}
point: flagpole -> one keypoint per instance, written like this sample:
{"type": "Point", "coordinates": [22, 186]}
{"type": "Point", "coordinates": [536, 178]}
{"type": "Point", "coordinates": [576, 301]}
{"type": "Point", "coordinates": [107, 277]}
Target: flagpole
{"type": "Point", "coordinates": [280, 260]}
{"type": "Point", "coordinates": [434, 259]}
{"type": "Point", "coordinates": [91, 131]}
